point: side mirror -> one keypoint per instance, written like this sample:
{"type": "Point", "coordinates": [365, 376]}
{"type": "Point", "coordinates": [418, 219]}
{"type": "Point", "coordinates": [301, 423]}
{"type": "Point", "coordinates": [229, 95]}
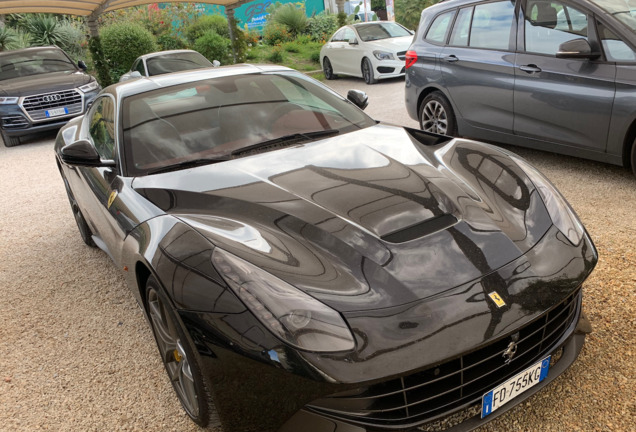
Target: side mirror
{"type": "Point", "coordinates": [83, 153]}
{"type": "Point", "coordinates": [358, 98]}
{"type": "Point", "coordinates": [129, 75]}
{"type": "Point", "coordinates": [82, 65]}
{"type": "Point", "coordinates": [353, 41]}
{"type": "Point", "coordinates": [576, 48]}
{"type": "Point", "coordinates": [216, 63]}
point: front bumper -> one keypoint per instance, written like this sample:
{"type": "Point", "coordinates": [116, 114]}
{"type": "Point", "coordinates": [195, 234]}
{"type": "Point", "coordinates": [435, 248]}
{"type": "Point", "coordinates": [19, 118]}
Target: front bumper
{"type": "Point", "coordinates": [14, 121]}
{"type": "Point", "coordinates": [389, 68]}
{"type": "Point", "coordinates": [260, 384]}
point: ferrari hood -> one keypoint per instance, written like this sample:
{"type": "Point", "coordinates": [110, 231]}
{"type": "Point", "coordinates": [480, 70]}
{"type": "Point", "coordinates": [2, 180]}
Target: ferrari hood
{"type": "Point", "coordinates": [379, 217]}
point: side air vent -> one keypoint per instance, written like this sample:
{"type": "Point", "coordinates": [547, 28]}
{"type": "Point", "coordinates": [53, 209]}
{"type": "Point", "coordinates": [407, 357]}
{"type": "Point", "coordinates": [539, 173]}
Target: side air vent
{"type": "Point", "coordinates": [421, 229]}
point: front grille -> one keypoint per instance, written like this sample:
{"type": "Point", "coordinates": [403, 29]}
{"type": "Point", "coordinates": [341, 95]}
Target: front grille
{"type": "Point", "coordinates": [14, 122]}
{"type": "Point", "coordinates": [402, 55]}
{"type": "Point", "coordinates": [441, 389]}
{"type": "Point", "coordinates": [36, 106]}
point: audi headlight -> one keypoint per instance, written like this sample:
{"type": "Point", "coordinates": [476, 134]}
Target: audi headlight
{"type": "Point", "coordinates": [293, 316]}
{"type": "Point", "coordinates": [86, 88]}
{"type": "Point", "coordinates": [8, 100]}
{"type": "Point", "coordinates": [383, 55]}
{"type": "Point", "coordinates": [562, 215]}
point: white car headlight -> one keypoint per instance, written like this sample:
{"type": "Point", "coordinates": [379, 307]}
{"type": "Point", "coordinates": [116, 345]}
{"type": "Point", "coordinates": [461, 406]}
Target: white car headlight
{"type": "Point", "coordinates": [383, 55]}
{"type": "Point", "coordinates": [8, 100]}
{"type": "Point", "coordinates": [292, 315]}
{"type": "Point", "coordinates": [89, 87]}
{"type": "Point", "coordinates": [562, 215]}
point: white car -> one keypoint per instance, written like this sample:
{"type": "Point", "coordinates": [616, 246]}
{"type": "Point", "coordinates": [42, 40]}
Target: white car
{"type": "Point", "coordinates": [161, 62]}
{"type": "Point", "coordinates": [371, 50]}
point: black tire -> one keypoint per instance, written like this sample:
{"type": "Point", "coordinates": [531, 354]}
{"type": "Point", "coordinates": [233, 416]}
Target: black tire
{"type": "Point", "coordinates": [436, 115]}
{"type": "Point", "coordinates": [82, 226]}
{"type": "Point", "coordinates": [179, 358]}
{"type": "Point", "coordinates": [10, 141]}
{"type": "Point", "coordinates": [633, 158]}
{"type": "Point", "coordinates": [367, 72]}
{"type": "Point", "coordinates": [327, 69]}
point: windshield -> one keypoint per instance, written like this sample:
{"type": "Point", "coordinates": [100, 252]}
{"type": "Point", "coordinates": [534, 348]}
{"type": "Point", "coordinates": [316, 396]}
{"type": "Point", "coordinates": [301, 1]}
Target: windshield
{"type": "Point", "coordinates": [176, 62]}
{"type": "Point", "coordinates": [384, 30]}
{"type": "Point", "coordinates": [34, 62]}
{"type": "Point", "coordinates": [622, 10]}
{"type": "Point", "coordinates": [216, 118]}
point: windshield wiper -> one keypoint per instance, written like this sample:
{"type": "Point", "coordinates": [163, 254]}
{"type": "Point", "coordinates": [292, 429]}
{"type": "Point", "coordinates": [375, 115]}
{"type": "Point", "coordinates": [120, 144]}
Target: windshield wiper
{"type": "Point", "coordinates": [286, 139]}
{"type": "Point", "coordinates": [186, 164]}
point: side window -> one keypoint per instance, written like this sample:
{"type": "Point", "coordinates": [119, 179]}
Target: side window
{"type": "Point", "coordinates": [102, 127]}
{"type": "Point", "coordinates": [461, 30]}
{"type": "Point", "coordinates": [439, 28]}
{"type": "Point", "coordinates": [492, 24]}
{"type": "Point", "coordinates": [550, 23]}
{"type": "Point", "coordinates": [349, 34]}
{"type": "Point", "coordinates": [139, 67]}
{"type": "Point", "coordinates": [339, 36]}
{"type": "Point", "coordinates": [615, 49]}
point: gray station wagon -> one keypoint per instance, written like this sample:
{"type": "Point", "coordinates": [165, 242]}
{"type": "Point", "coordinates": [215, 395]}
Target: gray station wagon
{"type": "Point", "coordinates": [548, 74]}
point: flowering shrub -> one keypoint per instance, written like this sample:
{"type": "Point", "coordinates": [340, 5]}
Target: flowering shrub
{"type": "Point", "coordinates": [276, 34]}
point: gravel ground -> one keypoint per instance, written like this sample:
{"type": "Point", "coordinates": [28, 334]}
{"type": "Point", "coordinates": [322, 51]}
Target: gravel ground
{"type": "Point", "coordinates": [77, 355]}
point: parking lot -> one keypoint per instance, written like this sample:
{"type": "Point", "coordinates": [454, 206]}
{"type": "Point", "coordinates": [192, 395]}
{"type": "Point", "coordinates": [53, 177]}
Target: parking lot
{"type": "Point", "coordinates": [77, 355]}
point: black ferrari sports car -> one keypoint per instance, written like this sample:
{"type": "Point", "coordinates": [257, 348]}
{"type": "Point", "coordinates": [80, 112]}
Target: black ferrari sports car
{"type": "Point", "coordinates": [305, 268]}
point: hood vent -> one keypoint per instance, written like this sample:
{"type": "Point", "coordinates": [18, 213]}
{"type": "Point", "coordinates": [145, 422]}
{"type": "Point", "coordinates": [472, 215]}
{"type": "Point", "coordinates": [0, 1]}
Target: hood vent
{"type": "Point", "coordinates": [421, 229]}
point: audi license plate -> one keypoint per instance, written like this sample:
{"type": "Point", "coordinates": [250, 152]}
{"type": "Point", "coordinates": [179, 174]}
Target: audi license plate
{"type": "Point", "coordinates": [516, 385]}
{"type": "Point", "coordinates": [56, 112]}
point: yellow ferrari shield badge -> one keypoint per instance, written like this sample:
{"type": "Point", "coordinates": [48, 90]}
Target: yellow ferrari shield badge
{"type": "Point", "coordinates": [111, 198]}
{"type": "Point", "coordinates": [497, 299]}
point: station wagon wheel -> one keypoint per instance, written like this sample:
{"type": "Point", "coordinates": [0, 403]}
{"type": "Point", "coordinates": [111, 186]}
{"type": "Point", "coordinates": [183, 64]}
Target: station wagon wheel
{"type": "Point", "coordinates": [327, 69]}
{"type": "Point", "coordinates": [177, 354]}
{"type": "Point", "coordinates": [367, 72]}
{"type": "Point", "coordinates": [436, 115]}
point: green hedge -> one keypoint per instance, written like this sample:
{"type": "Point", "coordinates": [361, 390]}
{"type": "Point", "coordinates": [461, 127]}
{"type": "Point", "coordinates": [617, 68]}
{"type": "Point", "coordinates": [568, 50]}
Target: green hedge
{"type": "Point", "coordinates": [122, 43]}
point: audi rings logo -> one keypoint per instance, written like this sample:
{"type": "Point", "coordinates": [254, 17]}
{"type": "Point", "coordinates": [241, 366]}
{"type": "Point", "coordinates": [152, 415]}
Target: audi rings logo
{"type": "Point", "coordinates": [52, 98]}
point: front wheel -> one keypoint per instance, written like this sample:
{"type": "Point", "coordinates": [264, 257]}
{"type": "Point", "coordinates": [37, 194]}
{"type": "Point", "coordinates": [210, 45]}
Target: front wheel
{"type": "Point", "coordinates": [178, 356]}
{"type": "Point", "coordinates": [436, 115]}
{"type": "Point", "coordinates": [10, 141]}
{"type": "Point", "coordinates": [633, 160]}
{"type": "Point", "coordinates": [327, 69]}
{"type": "Point", "coordinates": [367, 72]}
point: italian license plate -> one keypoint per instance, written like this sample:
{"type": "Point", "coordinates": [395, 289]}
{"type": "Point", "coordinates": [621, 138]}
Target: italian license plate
{"type": "Point", "coordinates": [504, 393]}
{"type": "Point", "coordinates": [56, 112]}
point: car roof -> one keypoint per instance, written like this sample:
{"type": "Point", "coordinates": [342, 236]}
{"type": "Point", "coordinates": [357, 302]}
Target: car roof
{"type": "Point", "coordinates": [168, 52]}
{"type": "Point", "coordinates": [145, 84]}
{"type": "Point", "coordinates": [38, 48]}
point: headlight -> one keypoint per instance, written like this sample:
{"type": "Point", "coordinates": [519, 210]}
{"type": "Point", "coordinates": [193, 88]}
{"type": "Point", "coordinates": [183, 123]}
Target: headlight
{"type": "Point", "coordinates": [383, 55]}
{"type": "Point", "coordinates": [562, 215]}
{"type": "Point", "coordinates": [89, 87]}
{"type": "Point", "coordinates": [293, 316]}
{"type": "Point", "coordinates": [8, 100]}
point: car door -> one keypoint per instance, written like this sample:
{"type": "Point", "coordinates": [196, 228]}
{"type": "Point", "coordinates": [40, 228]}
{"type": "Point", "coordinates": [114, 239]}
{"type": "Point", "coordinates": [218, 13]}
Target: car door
{"type": "Point", "coordinates": [336, 51]}
{"type": "Point", "coordinates": [354, 52]}
{"type": "Point", "coordinates": [107, 214]}
{"type": "Point", "coordinates": [561, 100]}
{"type": "Point", "coordinates": [477, 65]}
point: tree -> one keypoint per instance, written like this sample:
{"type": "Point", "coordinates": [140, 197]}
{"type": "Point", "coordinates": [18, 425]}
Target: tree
{"type": "Point", "coordinates": [407, 12]}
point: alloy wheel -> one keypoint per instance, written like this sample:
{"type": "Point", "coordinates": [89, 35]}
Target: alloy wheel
{"type": "Point", "coordinates": [172, 353]}
{"type": "Point", "coordinates": [434, 118]}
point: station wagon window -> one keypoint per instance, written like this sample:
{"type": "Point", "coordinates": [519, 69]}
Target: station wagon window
{"type": "Point", "coordinates": [548, 24]}
{"type": "Point", "coordinates": [439, 28]}
{"type": "Point", "coordinates": [102, 128]}
{"type": "Point", "coordinates": [615, 49]}
{"type": "Point", "coordinates": [492, 24]}
{"type": "Point", "coordinates": [461, 31]}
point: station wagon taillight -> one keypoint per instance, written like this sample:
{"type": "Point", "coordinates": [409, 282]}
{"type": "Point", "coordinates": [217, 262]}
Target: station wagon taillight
{"type": "Point", "coordinates": [411, 58]}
